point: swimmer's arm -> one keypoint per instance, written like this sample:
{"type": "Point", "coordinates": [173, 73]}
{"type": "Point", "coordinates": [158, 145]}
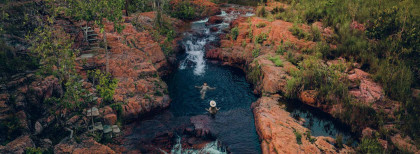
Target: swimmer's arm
{"type": "Point", "coordinates": [212, 88]}
{"type": "Point", "coordinates": [218, 108]}
{"type": "Point", "coordinates": [207, 109]}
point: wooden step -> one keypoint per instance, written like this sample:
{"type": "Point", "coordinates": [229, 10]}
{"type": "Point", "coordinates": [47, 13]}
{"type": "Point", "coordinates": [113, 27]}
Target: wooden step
{"type": "Point", "coordinates": [84, 28]}
{"type": "Point", "coordinates": [90, 35]}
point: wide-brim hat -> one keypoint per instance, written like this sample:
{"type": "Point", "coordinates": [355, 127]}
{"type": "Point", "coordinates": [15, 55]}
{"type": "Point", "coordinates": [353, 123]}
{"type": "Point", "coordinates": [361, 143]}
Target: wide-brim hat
{"type": "Point", "coordinates": [212, 103]}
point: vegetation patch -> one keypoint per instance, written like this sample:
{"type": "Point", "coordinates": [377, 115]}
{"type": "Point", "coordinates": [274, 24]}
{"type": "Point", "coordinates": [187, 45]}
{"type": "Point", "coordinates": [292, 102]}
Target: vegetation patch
{"type": "Point", "coordinates": [299, 33]}
{"type": "Point", "coordinates": [277, 61]}
{"type": "Point", "coordinates": [261, 25]}
{"type": "Point", "coordinates": [261, 38]}
{"type": "Point", "coordinates": [234, 32]}
{"type": "Point", "coordinates": [256, 52]}
{"type": "Point", "coordinates": [255, 73]}
{"type": "Point", "coordinates": [184, 10]}
{"type": "Point", "coordinates": [298, 137]}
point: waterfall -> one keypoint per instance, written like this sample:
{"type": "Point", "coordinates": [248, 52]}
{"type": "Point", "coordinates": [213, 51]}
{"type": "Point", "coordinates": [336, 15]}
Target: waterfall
{"type": "Point", "coordinates": [194, 43]}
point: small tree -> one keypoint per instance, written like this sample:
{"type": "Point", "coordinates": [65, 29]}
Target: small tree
{"type": "Point", "coordinates": [53, 47]}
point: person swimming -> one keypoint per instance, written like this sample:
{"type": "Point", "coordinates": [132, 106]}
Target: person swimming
{"type": "Point", "coordinates": [204, 89]}
{"type": "Point", "coordinates": [213, 109]}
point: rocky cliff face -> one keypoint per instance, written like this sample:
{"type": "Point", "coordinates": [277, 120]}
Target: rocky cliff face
{"type": "Point", "coordinates": [137, 61]}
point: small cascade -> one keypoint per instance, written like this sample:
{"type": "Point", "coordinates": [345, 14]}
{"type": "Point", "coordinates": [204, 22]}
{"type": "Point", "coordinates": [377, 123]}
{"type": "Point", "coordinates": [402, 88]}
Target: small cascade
{"type": "Point", "coordinates": [212, 147]}
{"type": "Point", "coordinates": [194, 44]}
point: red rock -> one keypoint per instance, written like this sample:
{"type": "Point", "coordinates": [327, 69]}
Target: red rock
{"type": "Point", "coordinates": [368, 91]}
{"type": "Point", "coordinates": [201, 123]}
{"type": "Point", "coordinates": [404, 143]}
{"type": "Point", "coordinates": [87, 146]}
{"type": "Point", "coordinates": [214, 20]}
{"type": "Point", "coordinates": [384, 143]}
{"type": "Point", "coordinates": [105, 110]}
{"type": "Point", "coordinates": [214, 29]}
{"type": "Point", "coordinates": [368, 132]}
{"type": "Point", "coordinates": [110, 119]}
{"type": "Point", "coordinates": [21, 115]}
{"type": "Point", "coordinates": [308, 97]}
{"type": "Point", "coordinates": [18, 145]}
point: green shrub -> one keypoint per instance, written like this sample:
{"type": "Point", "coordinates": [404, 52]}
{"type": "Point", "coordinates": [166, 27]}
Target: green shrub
{"type": "Point", "coordinates": [254, 74]}
{"type": "Point", "coordinates": [277, 61]}
{"type": "Point", "coordinates": [250, 32]}
{"type": "Point", "coordinates": [323, 48]}
{"type": "Point", "coordinates": [358, 116]}
{"type": "Point", "coordinates": [384, 24]}
{"type": "Point", "coordinates": [280, 50]}
{"type": "Point", "coordinates": [315, 34]}
{"type": "Point", "coordinates": [298, 137]}
{"type": "Point", "coordinates": [314, 13]}
{"type": "Point", "coordinates": [261, 38]}
{"type": "Point", "coordinates": [234, 32]}
{"type": "Point", "coordinates": [296, 31]}
{"type": "Point", "coordinates": [278, 10]}
{"type": "Point", "coordinates": [370, 146]}
{"type": "Point", "coordinates": [309, 137]}
{"type": "Point", "coordinates": [10, 128]}
{"type": "Point", "coordinates": [261, 25]}
{"type": "Point", "coordinates": [339, 141]}
{"type": "Point", "coordinates": [326, 80]}
{"type": "Point", "coordinates": [158, 93]}
{"type": "Point", "coordinates": [396, 80]}
{"type": "Point", "coordinates": [243, 44]}
{"type": "Point", "coordinates": [31, 150]}
{"type": "Point", "coordinates": [288, 16]}
{"type": "Point", "coordinates": [147, 96]}
{"type": "Point", "coordinates": [293, 86]}
{"type": "Point", "coordinates": [183, 10]}
{"type": "Point", "coordinates": [256, 52]}
{"type": "Point", "coordinates": [262, 12]}
{"type": "Point", "coordinates": [106, 87]}
{"type": "Point", "coordinates": [291, 58]}
{"type": "Point", "coordinates": [118, 108]}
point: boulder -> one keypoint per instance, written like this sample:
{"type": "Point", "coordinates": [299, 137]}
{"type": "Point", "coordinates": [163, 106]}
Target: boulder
{"type": "Point", "coordinates": [214, 29]}
{"type": "Point", "coordinates": [110, 119]}
{"type": "Point", "coordinates": [214, 20]}
{"type": "Point", "coordinates": [368, 91]}
{"type": "Point", "coordinates": [46, 143]}
{"type": "Point", "coordinates": [404, 143]}
{"type": "Point", "coordinates": [38, 127]}
{"type": "Point", "coordinates": [201, 125]}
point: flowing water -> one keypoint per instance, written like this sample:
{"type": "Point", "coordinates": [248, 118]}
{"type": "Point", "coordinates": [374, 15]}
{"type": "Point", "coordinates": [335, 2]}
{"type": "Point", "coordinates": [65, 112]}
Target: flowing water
{"type": "Point", "coordinates": [233, 126]}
